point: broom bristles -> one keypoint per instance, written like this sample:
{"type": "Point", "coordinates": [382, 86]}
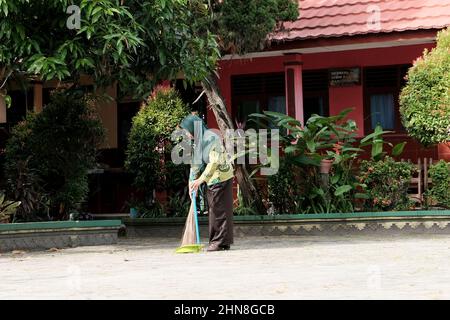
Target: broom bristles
{"type": "Point", "coordinates": [190, 232]}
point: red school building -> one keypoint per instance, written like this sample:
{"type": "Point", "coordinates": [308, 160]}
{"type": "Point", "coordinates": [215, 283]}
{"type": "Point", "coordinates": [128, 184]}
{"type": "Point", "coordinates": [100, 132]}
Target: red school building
{"type": "Point", "coordinates": [339, 54]}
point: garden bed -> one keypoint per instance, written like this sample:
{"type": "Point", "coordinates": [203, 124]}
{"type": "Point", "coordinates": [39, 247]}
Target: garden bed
{"type": "Point", "coordinates": [47, 235]}
{"type": "Point", "coordinates": [407, 222]}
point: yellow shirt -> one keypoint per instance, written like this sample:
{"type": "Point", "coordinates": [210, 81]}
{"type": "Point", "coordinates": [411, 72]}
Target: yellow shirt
{"type": "Point", "coordinates": [217, 170]}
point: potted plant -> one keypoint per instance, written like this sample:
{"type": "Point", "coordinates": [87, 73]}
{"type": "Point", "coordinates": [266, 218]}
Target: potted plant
{"type": "Point", "coordinates": [134, 213]}
{"type": "Point", "coordinates": [325, 165]}
{"type": "Point", "coordinates": [134, 205]}
{"type": "Point", "coordinates": [329, 159]}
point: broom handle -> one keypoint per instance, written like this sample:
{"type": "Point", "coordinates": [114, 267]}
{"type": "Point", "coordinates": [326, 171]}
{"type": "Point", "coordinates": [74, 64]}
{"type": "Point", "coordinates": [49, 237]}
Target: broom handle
{"type": "Point", "coordinates": [194, 199]}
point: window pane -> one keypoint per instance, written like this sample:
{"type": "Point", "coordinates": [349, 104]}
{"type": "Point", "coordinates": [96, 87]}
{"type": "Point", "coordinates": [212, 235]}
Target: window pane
{"type": "Point", "coordinates": [315, 93]}
{"type": "Point", "coordinates": [277, 104]}
{"type": "Point", "coordinates": [382, 110]}
{"type": "Point", "coordinates": [256, 93]}
{"type": "Point", "coordinates": [246, 108]}
{"type": "Point", "coordinates": [314, 105]}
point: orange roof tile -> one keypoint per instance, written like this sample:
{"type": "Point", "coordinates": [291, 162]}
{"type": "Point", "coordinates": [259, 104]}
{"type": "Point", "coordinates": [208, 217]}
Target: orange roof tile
{"type": "Point", "coordinates": [335, 18]}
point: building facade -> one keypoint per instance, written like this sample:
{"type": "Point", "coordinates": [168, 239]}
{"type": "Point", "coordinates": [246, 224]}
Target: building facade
{"type": "Point", "coordinates": [339, 54]}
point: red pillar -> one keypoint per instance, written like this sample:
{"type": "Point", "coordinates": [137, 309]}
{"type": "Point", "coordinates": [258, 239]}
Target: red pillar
{"type": "Point", "coordinates": [293, 69]}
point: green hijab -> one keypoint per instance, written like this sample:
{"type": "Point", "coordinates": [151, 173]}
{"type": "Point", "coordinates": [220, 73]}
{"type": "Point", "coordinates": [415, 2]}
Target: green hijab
{"type": "Point", "coordinates": [203, 137]}
{"type": "Point", "coordinates": [188, 124]}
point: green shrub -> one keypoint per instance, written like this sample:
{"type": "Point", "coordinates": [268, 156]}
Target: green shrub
{"type": "Point", "coordinates": [299, 186]}
{"type": "Point", "coordinates": [49, 154]}
{"type": "Point", "coordinates": [425, 100]}
{"type": "Point", "coordinates": [439, 193]}
{"type": "Point", "coordinates": [149, 148]}
{"type": "Point", "coordinates": [387, 184]}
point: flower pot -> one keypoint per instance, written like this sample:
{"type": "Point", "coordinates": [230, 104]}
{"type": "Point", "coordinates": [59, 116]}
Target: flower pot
{"type": "Point", "coordinates": [134, 213]}
{"type": "Point", "coordinates": [325, 166]}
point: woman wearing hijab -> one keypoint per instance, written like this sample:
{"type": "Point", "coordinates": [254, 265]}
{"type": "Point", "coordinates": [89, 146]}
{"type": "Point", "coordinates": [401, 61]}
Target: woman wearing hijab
{"type": "Point", "coordinates": [210, 166]}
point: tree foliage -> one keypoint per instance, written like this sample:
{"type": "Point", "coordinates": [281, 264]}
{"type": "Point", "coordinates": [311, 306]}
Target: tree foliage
{"type": "Point", "coordinates": [243, 26]}
{"type": "Point", "coordinates": [148, 153]}
{"type": "Point", "coordinates": [425, 100]}
{"type": "Point", "coordinates": [439, 193]}
{"type": "Point", "coordinates": [122, 41]}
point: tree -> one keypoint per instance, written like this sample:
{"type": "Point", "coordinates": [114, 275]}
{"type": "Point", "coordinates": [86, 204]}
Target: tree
{"type": "Point", "coordinates": [242, 27]}
{"type": "Point", "coordinates": [425, 100]}
{"type": "Point", "coordinates": [114, 43]}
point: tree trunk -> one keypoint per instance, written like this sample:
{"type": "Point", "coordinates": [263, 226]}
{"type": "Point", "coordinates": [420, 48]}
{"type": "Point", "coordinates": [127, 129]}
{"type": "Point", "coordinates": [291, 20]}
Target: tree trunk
{"type": "Point", "coordinates": [250, 194]}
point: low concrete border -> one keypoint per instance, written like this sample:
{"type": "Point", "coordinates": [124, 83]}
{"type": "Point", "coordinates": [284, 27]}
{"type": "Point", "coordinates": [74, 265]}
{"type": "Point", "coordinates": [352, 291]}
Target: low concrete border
{"type": "Point", "coordinates": [409, 222]}
{"type": "Point", "coordinates": [47, 235]}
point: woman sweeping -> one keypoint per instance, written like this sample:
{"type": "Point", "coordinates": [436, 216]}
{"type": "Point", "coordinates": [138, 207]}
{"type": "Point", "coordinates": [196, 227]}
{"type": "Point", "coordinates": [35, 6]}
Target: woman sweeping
{"type": "Point", "coordinates": [210, 166]}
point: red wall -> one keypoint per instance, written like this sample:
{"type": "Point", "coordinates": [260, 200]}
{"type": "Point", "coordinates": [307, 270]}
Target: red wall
{"type": "Point", "coordinates": [444, 152]}
{"type": "Point", "coordinates": [348, 97]}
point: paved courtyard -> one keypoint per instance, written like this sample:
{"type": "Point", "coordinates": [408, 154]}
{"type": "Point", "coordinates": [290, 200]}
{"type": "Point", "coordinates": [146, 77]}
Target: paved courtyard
{"type": "Point", "coordinates": [257, 268]}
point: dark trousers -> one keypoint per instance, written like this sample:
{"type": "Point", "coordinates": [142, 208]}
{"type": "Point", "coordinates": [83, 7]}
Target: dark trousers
{"type": "Point", "coordinates": [220, 203]}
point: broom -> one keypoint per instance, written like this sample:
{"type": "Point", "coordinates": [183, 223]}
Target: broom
{"type": "Point", "coordinates": [190, 243]}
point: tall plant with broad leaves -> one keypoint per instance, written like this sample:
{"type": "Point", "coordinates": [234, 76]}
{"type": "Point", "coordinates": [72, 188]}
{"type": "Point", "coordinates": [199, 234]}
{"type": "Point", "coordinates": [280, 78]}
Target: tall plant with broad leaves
{"type": "Point", "coordinates": [305, 147]}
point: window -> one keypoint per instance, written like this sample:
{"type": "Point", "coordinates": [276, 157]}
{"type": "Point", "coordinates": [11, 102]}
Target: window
{"type": "Point", "coordinates": [315, 93]}
{"type": "Point", "coordinates": [21, 103]}
{"type": "Point", "coordinates": [382, 110]}
{"type": "Point", "coordinates": [257, 93]}
{"type": "Point", "coordinates": [382, 88]}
